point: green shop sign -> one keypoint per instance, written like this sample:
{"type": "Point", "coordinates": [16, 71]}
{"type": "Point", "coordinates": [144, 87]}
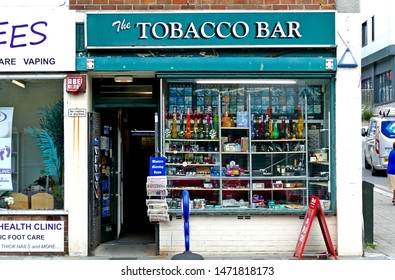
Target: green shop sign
{"type": "Point", "coordinates": [210, 29]}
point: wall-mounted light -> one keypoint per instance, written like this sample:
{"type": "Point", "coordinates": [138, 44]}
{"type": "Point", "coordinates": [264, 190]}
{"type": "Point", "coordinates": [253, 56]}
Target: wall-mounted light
{"type": "Point", "coordinates": [123, 79]}
{"type": "Point", "coordinates": [19, 83]}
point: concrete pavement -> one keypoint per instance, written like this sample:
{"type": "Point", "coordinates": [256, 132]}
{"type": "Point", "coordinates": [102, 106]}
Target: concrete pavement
{"type": "Point", "coordinates": [384, 225]}
{"type": "Point", "coordinates": [382, 248]}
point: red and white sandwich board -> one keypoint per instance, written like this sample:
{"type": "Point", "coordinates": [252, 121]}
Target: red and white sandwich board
{"type": "Point", "coordinates": [314, 209]}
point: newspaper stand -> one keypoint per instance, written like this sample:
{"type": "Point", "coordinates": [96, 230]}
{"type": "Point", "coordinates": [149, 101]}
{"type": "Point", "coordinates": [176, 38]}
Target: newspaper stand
{"type": "Point", "coordinates": [315, 209]}
{"type": "Point", "coordinates": [158, 210]}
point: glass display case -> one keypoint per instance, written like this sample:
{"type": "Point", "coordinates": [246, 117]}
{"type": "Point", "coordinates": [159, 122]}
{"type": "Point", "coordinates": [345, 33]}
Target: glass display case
{"type": "Point", "coordinates": [245, 147]}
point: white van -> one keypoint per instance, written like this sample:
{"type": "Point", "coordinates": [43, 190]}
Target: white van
{"type": "Point", "coordinates": [379, 138]}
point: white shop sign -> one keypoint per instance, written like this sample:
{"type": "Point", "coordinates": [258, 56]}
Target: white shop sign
{"type": "Point", "coordinates": [37, 40]}
{"type": "Point", "coordinates": [28, 236]}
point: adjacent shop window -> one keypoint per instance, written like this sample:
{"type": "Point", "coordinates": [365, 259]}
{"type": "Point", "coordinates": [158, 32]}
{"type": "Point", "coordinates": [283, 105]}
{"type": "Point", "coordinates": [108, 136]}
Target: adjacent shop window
{"type": "Point", "coordinates": [33, 151]}
{"type": "Point", "coordinates": [384, 87]}
{"type": "Point", "coordinates": [239, 145]}
{"type": "Point", "coordinates": [367, 93]}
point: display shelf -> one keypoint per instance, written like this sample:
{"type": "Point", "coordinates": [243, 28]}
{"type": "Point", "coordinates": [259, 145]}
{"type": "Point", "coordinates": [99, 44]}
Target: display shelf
{"type": "Point", "coordinates": [192, 164]}
{"type": "Point", "coordinates": [239, 145]}
{"type": "Point", "coordinates": [189, 140]}
{"type": "Point", "coordinates": [277, 189]}
{"type": "Point", "coordinates": [193, 178]}
{"type": "Point", "coordinates": [192, 189]}
{"type": "Point", "coordinates": [191, 152]}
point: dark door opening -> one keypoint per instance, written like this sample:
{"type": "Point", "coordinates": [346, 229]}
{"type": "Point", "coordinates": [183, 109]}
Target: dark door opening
{"type": "Point", "coordinates": [136, 149]}
{"type": "Point", "coordinates": [140, 147]}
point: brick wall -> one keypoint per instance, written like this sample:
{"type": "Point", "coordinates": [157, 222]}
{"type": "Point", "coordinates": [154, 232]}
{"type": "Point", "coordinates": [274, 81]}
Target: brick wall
{"type": "Point", "coordinates": [158, 5]}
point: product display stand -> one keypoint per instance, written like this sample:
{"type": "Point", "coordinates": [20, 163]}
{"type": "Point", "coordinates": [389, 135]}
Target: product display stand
{"type": "Point", "coordinates": [156, 204]}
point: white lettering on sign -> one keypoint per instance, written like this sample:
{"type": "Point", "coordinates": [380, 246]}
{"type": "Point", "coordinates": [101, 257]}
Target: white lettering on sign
{"type": "Point", "coordinates": [121, 25]}
{"type": "Point", "coordinates": [208, 29]}
{"type": "Point", "coordinates": [73, 83]}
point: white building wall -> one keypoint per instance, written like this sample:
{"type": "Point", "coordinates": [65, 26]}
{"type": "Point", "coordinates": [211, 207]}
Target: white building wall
{"type": "Point", "coordinates": [348, 142]}
{"type": "Point", "coordinates": [227, 235]}
{"type": "Point", "coordinates": [383, 12]}
{"type": "Point", "coordinates": [76, 172]}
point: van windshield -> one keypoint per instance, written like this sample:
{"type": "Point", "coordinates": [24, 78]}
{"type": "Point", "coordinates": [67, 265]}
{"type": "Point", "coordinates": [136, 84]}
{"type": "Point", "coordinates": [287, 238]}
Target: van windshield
{"type": "Point", "coordinates": [388, 129]}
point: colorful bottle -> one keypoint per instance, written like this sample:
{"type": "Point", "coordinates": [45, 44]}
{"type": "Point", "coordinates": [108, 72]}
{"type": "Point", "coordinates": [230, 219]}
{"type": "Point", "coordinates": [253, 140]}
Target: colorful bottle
{"type": "Point", "coordinates": [282, 130]}
{"type": "Point", "coordinates": [195, 125]}
{"type": "Point", "coordinates": [215, 125]}
{"type": "Point", "coordinates": [270, 124]}
{"type": "Point", "coordinates": [207, 127]}
{"type": "Point", "coordinates": [300, 123]}
{"type": "Point", "coordinates": [252, 127]}
{"type": "Point", "coordinates": [174, 125]}
{"type": "Point", "coordinates": [181, 132]}
{"type": "Point", "coordinates": [188, 132]}
{"type": "Point", "coordinates": [226, 120]}
{"type": "Point", "coordinates": [275, 130]}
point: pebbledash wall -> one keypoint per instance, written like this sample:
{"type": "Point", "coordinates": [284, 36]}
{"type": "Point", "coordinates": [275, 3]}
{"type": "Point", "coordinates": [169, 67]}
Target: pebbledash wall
{"type": "Point", "coordinates": [346, 226]}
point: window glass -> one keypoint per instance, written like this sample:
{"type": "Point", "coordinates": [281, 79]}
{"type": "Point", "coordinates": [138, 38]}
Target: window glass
{"type": "Point", "coordinates": [384, 87]}
{"type": "Point", "coordinates": [36, 143]}
{"type": "Point", "coordinates": [247, 145]}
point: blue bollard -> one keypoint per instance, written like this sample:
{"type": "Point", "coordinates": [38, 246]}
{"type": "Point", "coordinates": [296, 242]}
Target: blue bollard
{"type": "Point", "coordinates": [186, 208]}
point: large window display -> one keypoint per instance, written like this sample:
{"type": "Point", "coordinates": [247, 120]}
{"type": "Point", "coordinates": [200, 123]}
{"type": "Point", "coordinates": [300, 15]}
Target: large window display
{"type": "Point", "coordinates": [247, 145]}
{"type": "Point", "coordinates": [32, 162]}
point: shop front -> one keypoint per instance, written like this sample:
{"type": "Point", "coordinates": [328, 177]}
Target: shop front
{"type": "Point", "coordinates": [37, 52]}
{"type": "Point", "coordinates": [241, 107]}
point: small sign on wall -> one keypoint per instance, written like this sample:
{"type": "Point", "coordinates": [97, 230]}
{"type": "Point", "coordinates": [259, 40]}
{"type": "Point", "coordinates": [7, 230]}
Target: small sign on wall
{"type": "Point", "coordinates": [28, 236]}
{"type": "Point", "coordinates": [157, 166]}
{"type": "Point", "coordinates": [76, 84]}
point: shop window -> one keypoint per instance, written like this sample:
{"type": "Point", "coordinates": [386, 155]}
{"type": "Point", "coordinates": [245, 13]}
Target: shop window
{"type": "Point", "coordinates": [367, 93]}
{"type": "Point", "coordinates": [384, 87]}
{"type": "Point", "coordinates": [36, 158]}
{"type": "Point", "coordinates": [261, 147]}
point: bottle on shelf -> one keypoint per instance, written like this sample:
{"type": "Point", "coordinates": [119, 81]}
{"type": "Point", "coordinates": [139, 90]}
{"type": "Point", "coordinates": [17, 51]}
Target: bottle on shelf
{"type": "Point", "coordinates": [188, 132]}
{"type": "Point", "coordinates": [283, 134]}
{"type": "Point", "coordinates": [181, 132]}
{"type": "Point", "coordinates": [195, 125]}
{"type": "Point", "coordinates": [253, 127]}
{"type": "Point", "coordinates": [174, 124]}
{"type": "Point", "coordinates": [215, 125]}
{"type": "Point", "coordinates": [300, 123]}
{"type": "Point", "coordinates": [275, 132]}
{"type": "Point", "coordinates": [207, 127]}
{"type": "Point", "coordinates": [226, 120]}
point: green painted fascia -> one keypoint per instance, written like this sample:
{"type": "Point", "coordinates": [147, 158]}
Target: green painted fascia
{"type": "Point", "coordinates": [177, 64]}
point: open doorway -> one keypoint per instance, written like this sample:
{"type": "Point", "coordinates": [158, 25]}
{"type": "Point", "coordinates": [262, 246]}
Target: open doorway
{"type": "Point", "coordinates": [128, 135]}
{"type": "Point", "coordinates": [139, 146]}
